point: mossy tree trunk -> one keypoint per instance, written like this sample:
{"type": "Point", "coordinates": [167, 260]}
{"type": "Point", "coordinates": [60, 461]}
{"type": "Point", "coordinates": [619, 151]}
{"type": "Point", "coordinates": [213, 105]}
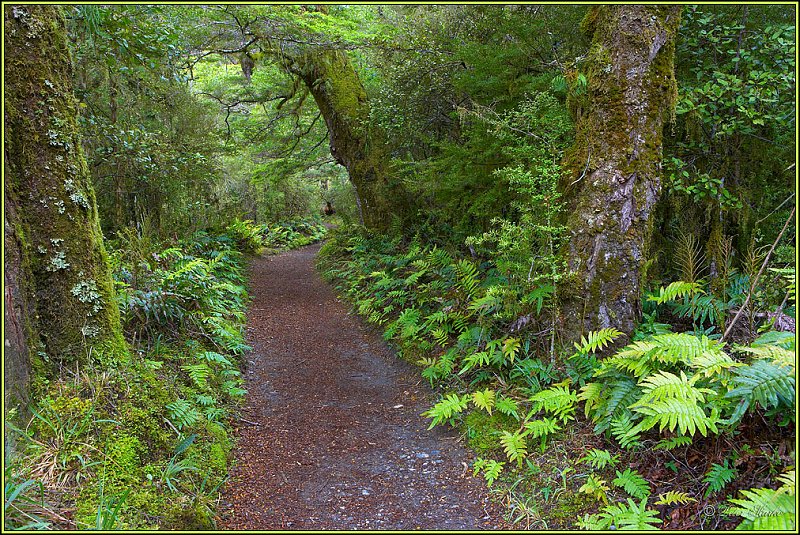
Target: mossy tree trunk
{"type": "Point", "coordinates": [60, 294]}
{"type": "Point", "coordinates": [355, 144]}
{"type": "Point", "coordinates": [615, 164]}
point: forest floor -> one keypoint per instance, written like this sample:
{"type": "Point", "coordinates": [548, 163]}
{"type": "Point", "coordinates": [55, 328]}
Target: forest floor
{"type": "Point", "coordinates": [331, 436]}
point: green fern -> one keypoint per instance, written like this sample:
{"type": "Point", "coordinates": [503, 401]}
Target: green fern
{"type": "Point", "coordinates": [446, 409]}
{"type": "Point", "coordinates": [515, 446]}
{"type": "Point", "coordinates": [484, 400]}
{"type": "Point", "coordinates": [467, 275]}
{"type": "Point", "coordinates": [713, 363]}
{"type": "Point", "coordinates": [674, 291]}
{"type": "Point", "coordinates": [622, 516]}
{"type": "Point", "coordinates": [669, 348]}
{"type": "Point", "coordinates": [541, 429]}
{"type": "Point", "coordinates": [507, 406]}
{"type": "Point", "coordinates": [624, 431]}
{"type": "Point", "coordinates": [233, 389]}
{"type": "Point", "coordinates": [214, 414]}
{"type": "Point", "coordinates": [785, 340]}
{"type": "Point", "coordinates": [473, 360]}
{"type": "Point", "coordinates": [182, 413]}
{"type": "Point", "coordinates": [718, 476]}
{"type": "Point", "coordinates": [608, 400]}
{"type": "Point", "coordinates": [440, 336]}
{"type": "Point", "coordinates": [205, 400]}
{"type": "Point", "coordinates": [557, 400]}
{"type": "Point", "coordinates": [670, 401]}
{"type": "Point", "coordinates": [599, 459]}
{"type": "Point", "coordinates": [199, 374]}
{"type": "Point", "coordinates": [672, 443]}
{"type": "Point", "coordinates": [633, 483]}
{"type": "Point", "coordinates": [596, 340]}
{"type": "Point", "coordinates": [212, 356]}
{"type": "Point", "coordinates": [767, 509]}
{"type": "Point", "coordinates": [511, 347]}
{"type": "Point", "coordinates": [485, 305]}
{"type": "Point", "coordinates": [765, 383]}
{"type": "Point", "coordinates": [596, 488]}
{"type": "Point", "coordinates": [491, 469]}
{"type": "Point", "coordinates": [777, 354]}
{"type": "Point", "coordinates": [664, 385]}
{"type": "Point", "coordinates": [672, 497]}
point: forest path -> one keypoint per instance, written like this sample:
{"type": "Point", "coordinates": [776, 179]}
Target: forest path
{"type": "Point", "coordinates": [331, 435]}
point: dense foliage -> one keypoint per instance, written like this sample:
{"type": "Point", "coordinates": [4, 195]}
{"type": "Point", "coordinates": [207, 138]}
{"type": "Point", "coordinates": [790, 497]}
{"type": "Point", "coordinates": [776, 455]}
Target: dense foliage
{"type": "Point", "coordinates": [211, 134]}
{"type": "Point", "coordinates": [486, 341]}
{"type": "Point", "coordinates": [145, 442]}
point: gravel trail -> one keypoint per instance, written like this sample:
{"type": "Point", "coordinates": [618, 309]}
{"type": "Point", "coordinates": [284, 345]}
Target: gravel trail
{"type": "Point", "coordinates": [331, 435]}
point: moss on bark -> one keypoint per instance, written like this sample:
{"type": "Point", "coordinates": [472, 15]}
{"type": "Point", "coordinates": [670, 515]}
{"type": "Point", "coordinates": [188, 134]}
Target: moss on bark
{"type": "Point", "coordinates": [355, 143]}
{"type": "Point", "coordinates": [616, 164]}
{"type": "Point", "coordinates": [64, 275]}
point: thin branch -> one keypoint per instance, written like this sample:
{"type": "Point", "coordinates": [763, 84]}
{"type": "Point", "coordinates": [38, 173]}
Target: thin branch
{"type": "Point", "coordinates": [755, 279]}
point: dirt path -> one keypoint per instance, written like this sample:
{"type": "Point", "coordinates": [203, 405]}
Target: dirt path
{"type": "Point", "coordinates": [331, 436]}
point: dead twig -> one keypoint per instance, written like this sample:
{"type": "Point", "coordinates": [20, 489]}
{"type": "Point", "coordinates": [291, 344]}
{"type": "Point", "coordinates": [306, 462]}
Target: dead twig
{"type": "Point", "coordinates": [758, 275]}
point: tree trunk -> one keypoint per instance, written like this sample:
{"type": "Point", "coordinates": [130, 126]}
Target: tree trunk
{"type": "Point", "coordinates": [616, 163]}
{"type": "Point", "coordinates": [359, 147]}
{"type": "Point", "coordinates": [60, 295]}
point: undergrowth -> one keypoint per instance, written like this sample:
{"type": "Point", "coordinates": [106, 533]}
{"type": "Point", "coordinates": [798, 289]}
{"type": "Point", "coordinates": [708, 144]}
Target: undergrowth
{"type": "Point", "coordinates": [145, 442]}
{"type": "Point", "coordinates": [645, 435]}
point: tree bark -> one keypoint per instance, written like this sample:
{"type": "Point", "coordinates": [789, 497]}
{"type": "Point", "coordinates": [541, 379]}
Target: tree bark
{"type": "Point", "coordinates": [615, 164]}
{"type": "Point", "coordinates": [59, 291]}
{"type": "Point", "coordinates": [355, 144]}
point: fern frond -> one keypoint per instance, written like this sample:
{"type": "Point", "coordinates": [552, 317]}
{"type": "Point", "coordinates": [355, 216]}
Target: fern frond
{"type": "Point", "coordinates": [764, 509]}
{"type": "Point", "coordinates": [515, 446]}
{"type": "Point", "coordinates": [777, 354]}
{"type": "Point", "coordinates": [440, 336]}
{"type": "Point", "coordinates": [485, 304]}
{"type": "Point", "coordinates": [212, 356]}
{"type": "Point", "coordinates": [672, 443]}
{"type": "Point", "coordinates": [786, 340]}
{"type": "Point", "coordinates": [673, 348]}
{"type": "Point", "coordinates": [540, 428]}
{"type": "Point", "coordinates": [446, 409]}
{"type": "Point", "coordinates": [556, 400]}
{"type": "Point", "coordinates": [484, 400]}
{"type": "Point", "coordinates": [718, 476]}
{"type": "Point", "coordinates": [633, 483]}
{"type": "Point", "coordinates": [596, 340]}
{"type": "Point", "coordinates": [467, 275]}
{"type": "Point", "coordinates": [596, 488]}
{"type": "Point", "coordinates": [688, 255]}
{"type": "Point", "coordinates": [670, 413]}
{"type": "Point", "coordinates": [675, 290]}
{"type": "Point", "coordinates": [511, 347]}
{"type": "Point", "coordinates": [199, 374]}
{"type": "Point", "coordinates": [664, 385]}
{"type": "Point", "coordinates": [630, 516]}
{"type": "Point", "coordinates": [507, 406]}
{"type": "Point", "coordinates": [205, 400]}
{"type": "Point", "coordinates": [182, 413]}
{"type": "Point", "coordinates": [711, 363]}
{"type": "Point", "coordinates": [599, 459]}
{"type": "Point", "coordinates": [672, 497]}
{"type": "Point", "coordinates": [491, 469]}
{"type": "Point", "coordinates": [623, 393]}
{"type": "Point", "coordinates": [789, 482]}
{"type": "Point", "coordinates": [480, 358]}
{"type": "Point", "coordinates": [623, 430]}
{"type": "Point", "coordinates": [763, 382]}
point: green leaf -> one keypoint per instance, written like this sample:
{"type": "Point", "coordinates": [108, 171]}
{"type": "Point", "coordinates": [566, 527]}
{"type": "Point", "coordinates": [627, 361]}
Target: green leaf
{"type": "Point", "coordinates": [633, 483]}
{"type": "Point", "coordinates": [484, 400]}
